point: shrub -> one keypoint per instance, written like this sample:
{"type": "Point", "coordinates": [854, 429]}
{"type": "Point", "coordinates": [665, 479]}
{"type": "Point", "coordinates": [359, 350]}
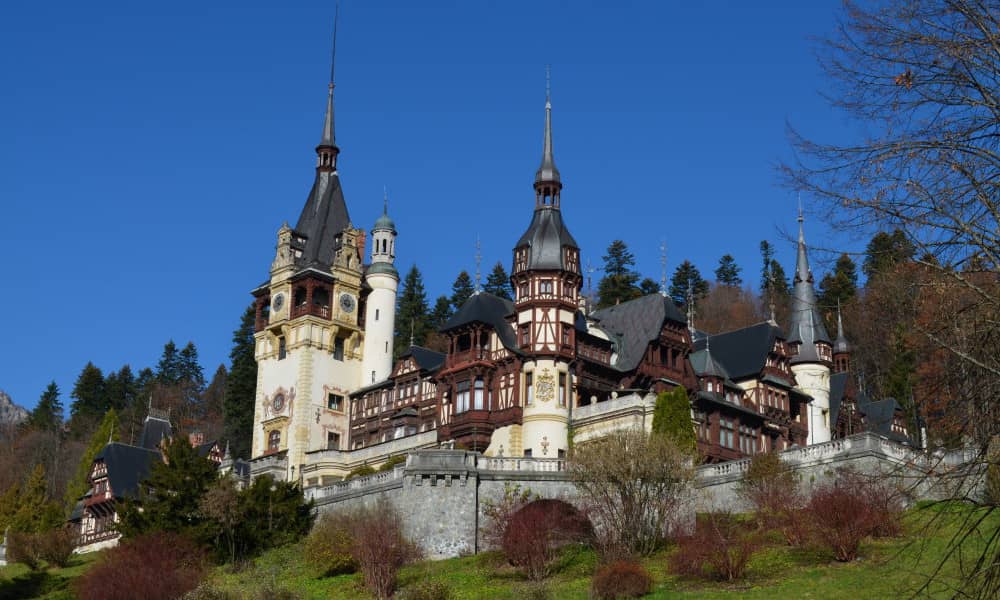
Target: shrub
{"type": "Point", "coordinates": [392, 462]}
{"type": "Point", "coordinates": [158, 566]}
{"type": "Point", "coordinates": [328, 546]}
{"type": "Point", "coordinates": [24, 548]}
{"type": "Point", "coordinates": [883, 501]}
{"type": "Point", "coordinates": [537, 530]}
{"type": "Point", "coordinates": [56, 546]}
{"type": "Point", "coordinates": [842, 518]}
{"type": "Point", "coordinates": [427, 590]}
{"type": "Point", "coordinates": [772, 491]}
{"type": "Point", "coordinates": [380, 548]}
{"type": "Point", "coordinates": [621, 579]}
{"type": "Point", "coordinates": [720, 548]}
{"type": "Point", "coordinates": [499, 511]}
{"type": "Point", "coordinates": [361, 471]}
{"type": "Point", "coordinates": [634, 486]}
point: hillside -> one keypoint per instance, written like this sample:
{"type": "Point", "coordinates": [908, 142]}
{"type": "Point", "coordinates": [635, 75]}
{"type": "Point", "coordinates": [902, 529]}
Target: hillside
{"type": "Point", "coordinates": [10, 412]}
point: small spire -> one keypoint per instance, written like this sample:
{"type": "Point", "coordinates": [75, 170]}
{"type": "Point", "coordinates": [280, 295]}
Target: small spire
{"type": "Point", "coordinates": [547, 181]}
{"type": "Point", "coordinates": [479, 262]}
{"type": "Point", "coordinates": [773, 320]}
{"type": "Point", "coordinates": [690, 308]}
{"type": "Point", "coordinates": [412, 342]}
{"type": "Point", "coordinates": [663, 268]}
{"type": "Point", "coordinates": [327, 150]}
{"type": "Point", "coordinates": [385, 199]}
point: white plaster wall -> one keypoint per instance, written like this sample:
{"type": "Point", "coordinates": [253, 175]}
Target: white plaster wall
{"type": "Point", "coordinates": [814, 379]}
{"type": "Point", "coordinates": [379, 332]}
{"type": "Point", "coordinates": [544, 428]}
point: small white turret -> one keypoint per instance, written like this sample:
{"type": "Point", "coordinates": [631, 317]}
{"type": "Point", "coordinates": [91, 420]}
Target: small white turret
{"type": "Point", "coordinates": [380, 309]}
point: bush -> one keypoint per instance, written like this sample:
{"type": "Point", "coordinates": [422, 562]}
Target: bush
{"type": "Point", "coordinates": [720, 548]}
{"type": "Point", "coordinates": [361, 471]}
{"type": "Point", "coordinates": [537, 530]}
{"type": "Point", "coordinates": [56, 546]}
{"type": "Point", "coordinates": [392, 462]}
{"type": "Point", "coordinates": [882, 500]}
{"type": "Point", "coordinates": [158, 566]}
{"type": "Point", "coordinates": [379, 548]}
{"type": "Point", "coordinates": [772, 490]}
{"type": "Point", "coordinates": [427, 590]}
{"type": "Point", "coordinates": [499, 511]}
{"type": "Point", "coordinates": [842, 518]}
{"type": "Point", "coordinates": [329, 545]}
{"type": "Point", "coordinates": [621, 579]}
{"type": "Point", "coordinates": [24, 548]}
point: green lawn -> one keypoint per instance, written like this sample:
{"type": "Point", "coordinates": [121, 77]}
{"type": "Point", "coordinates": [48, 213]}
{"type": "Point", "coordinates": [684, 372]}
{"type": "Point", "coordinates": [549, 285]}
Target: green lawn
{"type": "Point", "coordinates": [887, 569]}
{"type": "Point", "coordinates": [18, 582]}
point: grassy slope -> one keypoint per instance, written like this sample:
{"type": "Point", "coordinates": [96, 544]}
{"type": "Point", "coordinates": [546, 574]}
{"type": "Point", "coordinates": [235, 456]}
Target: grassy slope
{"type": "Point", "coordinates": [888, 569]}
{"type": "Point", "coordinates": [17, 581]}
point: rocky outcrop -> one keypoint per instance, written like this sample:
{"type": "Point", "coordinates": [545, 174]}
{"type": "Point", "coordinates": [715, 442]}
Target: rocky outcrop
{"type": "Point", "coordinates": [10, 412]}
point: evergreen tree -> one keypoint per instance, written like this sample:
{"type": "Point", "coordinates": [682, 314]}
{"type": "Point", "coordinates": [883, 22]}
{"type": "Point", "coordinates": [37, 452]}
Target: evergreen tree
{"type": "Point", "coordinates": [412, 319]}
{"type": "Point", "coordinates": [34, 511]}
{"type": "Point", "coordinates": [838, 288]}
{"type": "Point", "coordinates": [213, 399]}
{"type": "Point", "coordinates": [886, 250]}
{"type": "Point", "coordinates": [441, 313]}
{"type": "Point", "coordinates": [498, 282]}
{"type": "Point", "coordinates": [672, 418]}
{"type": "Point", "coordinates": [461, 290]}
{"type": "Point", "coordinates": [241, 388]}
{"type": "Point", "coordinates": [168, 370]}
{"type": "Point", "coordinates": [687, 276]}
{"type": "Point", "coordinates": [779, 281]}
{"type": "Point", "coordinates": [48, 413]}
{"type": "Point", "coordinates": [766, 272]}
{"type": "Point", "coordinates": [648, 286]}
{"type": "Point", "coordinates": [191, 373]}
{"type": "Point", "coordinates": [170, 496]}
{"type": "Point", "coordinates": [120, 389]}
{"type": "Point", "coordinates": [89, 400]}
{"type": "Point", "coordinates": [728, 272]}
{"type": "Point", "coordinates": [106, 432]}
{"type": "Point", "coordinates": [274, 513]}
{"type": "Point", "coordinates": [620, 280]}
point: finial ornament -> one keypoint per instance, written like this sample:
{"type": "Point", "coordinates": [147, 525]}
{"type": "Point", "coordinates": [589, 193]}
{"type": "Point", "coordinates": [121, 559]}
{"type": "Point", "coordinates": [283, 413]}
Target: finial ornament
{"type": "Point", "coordinates": [385, 200]}
{"type": "Point", "coordinates": [690, 307]}
{"type": "Point", "coordinates": [333, 53]}
{"type": "Point", "coordinates": [548, 84]}
{"type": "Point", "coordinates": [663, 267]}
{"type": "Point", "coordinates": [479, 263]}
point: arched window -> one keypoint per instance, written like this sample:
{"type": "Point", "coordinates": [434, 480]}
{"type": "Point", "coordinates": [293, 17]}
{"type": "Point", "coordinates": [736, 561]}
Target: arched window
{"type": "Point", "coordinates": [273, 441]}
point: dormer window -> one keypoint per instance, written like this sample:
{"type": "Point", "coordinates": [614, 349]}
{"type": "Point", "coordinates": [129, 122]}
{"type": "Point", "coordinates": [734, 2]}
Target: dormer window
{"type": "Point", "coordinates": [545, 286]}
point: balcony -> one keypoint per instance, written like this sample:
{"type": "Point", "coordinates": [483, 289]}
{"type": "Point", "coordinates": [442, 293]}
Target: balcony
{"type": "Point", "coordinates": [315, 310]}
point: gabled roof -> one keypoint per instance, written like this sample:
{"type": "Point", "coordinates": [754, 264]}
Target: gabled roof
{"type": "Point", "coordinates": [154, 431]}
{"type": "Point", "coordinates": [743, 352]}
{"type": "Point", "coordinates": [127, 467]}
{"type": "Point", "coordinates": [205, 449]}
{"type": "Point", "coordinates": [425, 358]}
{"type": "Point", "coordinates": [635, 324]}
{"type": "Point", "coordinates": [879, 416]}
{"type": "Point", "coordinates": [488, 309]}
{"type": "Point", "coordinates": [323, 218]}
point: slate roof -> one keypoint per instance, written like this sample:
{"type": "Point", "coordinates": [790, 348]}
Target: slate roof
{"type": "Point", "coordinates": [127, 467]}
{"type": "Point", "coordinates": [634, 324]}
{"type": "Point", "coordinates": [154, 430]}
{"type": "Point", "coordinates": [878, 417]}
{"type": "Point", "coordinates": [205, 449]}
{"type": "Point", "coordinates": [704, 364]}
{"type": "Point", "coordinates": [491, 310]}
{"type": "Point", "coordinates": [323, 219]}
{"type": "Point", "coordinates": [838, 387]}
{"type": "Point", "coordinates": [806, 325]}
{"type": "Point", "coordinates": [743, 352]}
{"type": "Point", "coordinates": [426, 359]}
{"type": "Point", "coordinates": [545, 238]}
{"type": "Point", "coordinates": [719, 399]}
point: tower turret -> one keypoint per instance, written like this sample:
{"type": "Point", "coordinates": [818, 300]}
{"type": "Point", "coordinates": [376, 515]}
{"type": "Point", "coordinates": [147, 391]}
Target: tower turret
{"type": "Point", "coordinates": [811, 345]}
{"type": "Point", "coordinates": [841, 347]}
{"type": "Point", "coordinates": [380, 308]}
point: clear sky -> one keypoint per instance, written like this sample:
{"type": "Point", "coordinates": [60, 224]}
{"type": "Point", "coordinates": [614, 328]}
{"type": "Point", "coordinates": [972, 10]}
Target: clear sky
{"type": "Point", "coordinates": [150, 151]}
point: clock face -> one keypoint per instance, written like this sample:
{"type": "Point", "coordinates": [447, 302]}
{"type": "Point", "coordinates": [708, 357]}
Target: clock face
{"type": "Point", "coordinates": [278, 403]}
{"type": "Point", "coordinates": [277, 302]}
{"type": "Point", "coordinates": [347, 302]}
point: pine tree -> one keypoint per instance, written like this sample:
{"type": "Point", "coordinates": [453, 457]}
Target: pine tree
{"type": "Point", "coordinates": [168, 370]}
{"type": "Point", "coordinates": [241, 388]}
{"type": "Point", "coordinates": [672, 418]}
{"type": "Point", "coordinates": [412, 319]}
{"type": "Point", "coordinates": [213, 399]}
{"type": "Point", "coordinates": [120, 390]}
{"type": "Point", "coordinates": [728, 272]}
{"type": "Point", "coordinates": [461, 290]}
{"type": "Point", "coordinates": [838, 288]}
{"type": "Point", "coordinates": [648, 286]}
{"type": "Point", "coordinates": [34, 512]}
{"type": "Point", "coordinates": [441, 313]}
{"type": "Point", "coordinates": [170, 496]}
{"type": "Point", "coordinates": [886, 250]}
{"type": "Point", "coordinates": [498, 282]}
{"type": "Point", "coordinates": [766, 273]}
{"type": "Point", "coordinates": [106, 432]}
{"type": "Point", "coordinates": [687, 276]}
{"type": "Point", "coordinates": [620, 280]}
{"type": "Point", "coordinates": [89, 400]}
{"type": "Point", "coordinates": [48, 413]}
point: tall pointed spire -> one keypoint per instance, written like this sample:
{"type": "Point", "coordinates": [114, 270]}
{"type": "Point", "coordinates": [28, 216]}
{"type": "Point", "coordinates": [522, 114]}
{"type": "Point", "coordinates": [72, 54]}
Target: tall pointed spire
{"type": "Point", "coordinates": [840, 345]}
{"type": "Point", "coordinates": [806, 328]}
{"type": "Point", "coordinates": [547, 181]}
{"type": "Point", "coordinates": [327, 150]}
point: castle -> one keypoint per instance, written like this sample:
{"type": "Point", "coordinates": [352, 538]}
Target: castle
{"type": "Point", "coordinates": [521, 378]}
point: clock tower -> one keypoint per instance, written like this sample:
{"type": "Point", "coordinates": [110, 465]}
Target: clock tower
{"type": "Point", "coordinates": [309, 337]}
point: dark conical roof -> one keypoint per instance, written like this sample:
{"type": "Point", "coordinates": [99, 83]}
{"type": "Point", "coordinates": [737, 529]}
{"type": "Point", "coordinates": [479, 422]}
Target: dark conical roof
{"type": "Point", "coordinates": [806, 326]}
{"type": "Point", "coordinates": [547, 171]}
{"type": "Point", "coordinates": [546, 237]}
{"type": "Point", "coordinates": [840, 345]}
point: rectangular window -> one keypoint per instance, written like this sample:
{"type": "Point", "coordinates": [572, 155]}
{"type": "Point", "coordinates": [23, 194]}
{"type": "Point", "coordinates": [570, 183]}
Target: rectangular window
{"type": "Point", "coordinates": [338, 348]}
{"type": "Point", "coordinates": [477, 396]}
{"type": "Point", "coordinates": [529, 390]}
{"type": "Point", "coordinates": [332, 441]}
{"type": "Point", "coordinates": [282, 350]}
{"type": "Point", "coordinates": [376, 314]}
{"type": "Point", "coordinates": [562, 389]}
{"type": "Point", "coordinates": [527, 453]}
{"type": "Point", "coordinates": [726, 433]}
{"type": "Point", "coordinates": [525, 334]}
{"type": "Point", "coordinates": [462, 397]}
{"type": "Point", "coordinates": [335, 402]}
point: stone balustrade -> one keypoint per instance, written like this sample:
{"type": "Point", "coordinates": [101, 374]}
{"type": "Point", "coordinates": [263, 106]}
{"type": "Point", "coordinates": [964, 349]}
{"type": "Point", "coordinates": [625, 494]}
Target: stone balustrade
{"type": "Point", "coordinates": [534, 465]}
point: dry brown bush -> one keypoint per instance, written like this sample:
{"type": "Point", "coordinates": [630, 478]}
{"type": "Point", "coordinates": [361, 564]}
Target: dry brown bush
{"type": "Point", "coordinates": [380, 548]}
{"type": "Point", "coordinates": [720, 548]}
{"type": "Point", "coordinates": [159, 566]}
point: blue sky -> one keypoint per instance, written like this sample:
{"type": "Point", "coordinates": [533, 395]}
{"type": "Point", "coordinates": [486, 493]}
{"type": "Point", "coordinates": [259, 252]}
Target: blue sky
{"type": "Point", "coordinates": [150, 151]}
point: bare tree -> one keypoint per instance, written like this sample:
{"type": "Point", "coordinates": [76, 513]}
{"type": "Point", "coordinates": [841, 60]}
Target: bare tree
{"type": "Point", "coordinates": [921, 77]}
{"type": "Point", "coordinates": [634, 486]}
